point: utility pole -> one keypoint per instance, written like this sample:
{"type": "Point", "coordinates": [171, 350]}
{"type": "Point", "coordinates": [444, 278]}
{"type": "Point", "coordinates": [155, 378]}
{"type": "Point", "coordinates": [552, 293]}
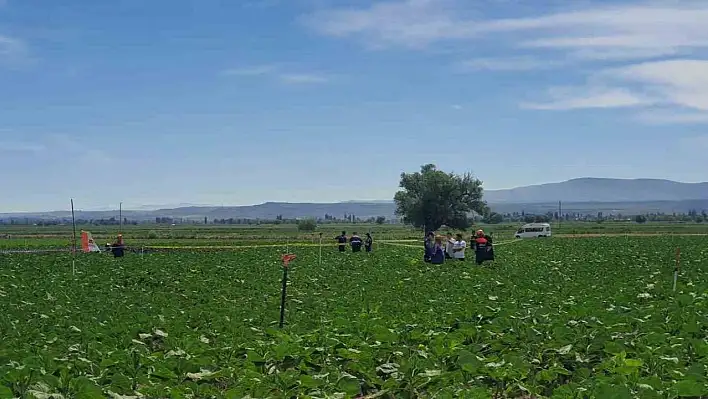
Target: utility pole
{"type": "Point", "coordinates": [560, 215]}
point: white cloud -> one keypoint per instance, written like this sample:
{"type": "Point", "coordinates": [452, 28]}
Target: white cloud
{"type": "Point", "coordinates": [633, 54]}
{"type": "Point", "coordinates": [566, 98]}
{"type": "Point", "coordinates": [303, 78]}
{"type": "Point", "coordinates": [508, 64]}
{"type": "Point", "coordinates": [278, 73]}
{"type": "Point", "coordinates": [650, 28]}
{"type": "Point", "coordinates": [56, 144]}
{"type": "Point", "coordinates": [21, 147]}
{"type": "Point", "coordinates": [620, 54]}
{"type": "Point", "coordinates": [412, 23]}
{"type": "Point", "coordinates": [76, 149]}
{"type": "Point", "coordinates": [260, 3]}
{"type": "Point", "coordinates": [654, 117]}
{"type": "Point", "coordinates": [250, 71]}
{"type": "Point", "coordinates": [680, 83]}
{"type": "Point", "coordinates": [11, 49]}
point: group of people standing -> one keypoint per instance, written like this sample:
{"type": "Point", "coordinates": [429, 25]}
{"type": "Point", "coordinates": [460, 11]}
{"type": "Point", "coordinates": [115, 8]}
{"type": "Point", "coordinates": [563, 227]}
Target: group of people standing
{"type": "Point", "coordinates": [454, 247]}
{"type": "Point", "coordinates": [355, 242]}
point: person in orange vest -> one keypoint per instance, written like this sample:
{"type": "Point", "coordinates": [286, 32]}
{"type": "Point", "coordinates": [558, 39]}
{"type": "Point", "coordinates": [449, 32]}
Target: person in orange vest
{"type": "Point", "coordinates": [483, 247]}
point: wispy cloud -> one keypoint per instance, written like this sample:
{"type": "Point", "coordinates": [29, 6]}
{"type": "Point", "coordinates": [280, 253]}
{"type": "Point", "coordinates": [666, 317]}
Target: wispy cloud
{"type": "Point", "coordinates": [11, 49]}
{"type": "Point", "coordinates": [522, 63]}
{"type": "Point", "coordinates": [20, 147]}
{"type": "Point", "coordinates": [279, 73]}
{"type": "Point", "coordinates": [303, 78]}
{"type": "Point", "coordinates": [411, 23]}
{"type": "Point", "coordinates": [634, 54]}
{"type": "Point", "coordinates": [260, 3]}
{"type": "Point", "coordinates": [257, 70]}
{"type": "Point", "coordinates": [667, 117]}
{"type": "Point", "coordinates": [75, 149]}
{"type": "Point", "coordinates": [680, 83]}
{"type": "Point", "coordinates": [567, 98]}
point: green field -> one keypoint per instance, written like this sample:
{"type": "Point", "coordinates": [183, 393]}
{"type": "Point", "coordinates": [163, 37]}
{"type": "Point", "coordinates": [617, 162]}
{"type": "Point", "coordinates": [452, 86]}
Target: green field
{"type": "Point", "coordinates": [29, 237]}
{"type": "Point", "coordinates": [561, 318]}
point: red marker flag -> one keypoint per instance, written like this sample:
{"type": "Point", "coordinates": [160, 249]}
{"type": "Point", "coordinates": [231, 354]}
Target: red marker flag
{"type": "Point", "coordinates": [287, 258]}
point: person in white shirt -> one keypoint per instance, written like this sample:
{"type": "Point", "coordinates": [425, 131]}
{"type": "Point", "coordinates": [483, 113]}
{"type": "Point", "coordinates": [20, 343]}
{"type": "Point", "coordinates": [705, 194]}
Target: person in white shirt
{"type": "Point", "coordinates": [458, 248]}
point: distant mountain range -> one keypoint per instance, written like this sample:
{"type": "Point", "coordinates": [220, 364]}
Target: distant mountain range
{"type": "Point", "coordinates": [601, 190]}
{"type": "Point", "coordinates": [584, 195]}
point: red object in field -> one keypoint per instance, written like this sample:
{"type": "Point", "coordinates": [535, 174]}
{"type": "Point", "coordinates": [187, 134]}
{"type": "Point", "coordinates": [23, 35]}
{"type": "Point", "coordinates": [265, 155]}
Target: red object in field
{"type": "Point", "coordinates": [287, 258]}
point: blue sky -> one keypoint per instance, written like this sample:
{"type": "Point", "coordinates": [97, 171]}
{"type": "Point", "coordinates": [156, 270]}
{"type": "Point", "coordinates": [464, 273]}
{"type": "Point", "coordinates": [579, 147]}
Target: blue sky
{"type": "Point", "coordinates": [240, 102]}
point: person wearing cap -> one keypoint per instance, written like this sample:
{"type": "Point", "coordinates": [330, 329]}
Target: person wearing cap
{"type": "Point", "coordinates": [483, 248]}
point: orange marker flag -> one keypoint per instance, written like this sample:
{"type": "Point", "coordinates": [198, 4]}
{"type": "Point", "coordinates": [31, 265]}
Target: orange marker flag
{"type": "Point", "coordinates": [287, 259]}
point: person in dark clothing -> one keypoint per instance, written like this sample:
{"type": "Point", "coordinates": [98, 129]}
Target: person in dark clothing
{"type": "Point", "coordinates": [355, 242]}
{"type": "Point", "coordinates": [483, 248]}
{"type": "Point", "coordinates": [438, 253]}
{"type": "Point", "coordinates": [368, 242]}
{"type": "Point", "coordinates": [118, 248]}
{"type": "Point", "coordinates": [429, 243]}
{"type": "Point", "coordinates": [342, 241]}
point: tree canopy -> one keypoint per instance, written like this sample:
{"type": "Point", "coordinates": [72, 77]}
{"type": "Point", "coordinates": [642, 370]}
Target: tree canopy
{"type": "Point", "coordinates": [432, 198]}
{"type": "Point", "coordinates": [307, 225]}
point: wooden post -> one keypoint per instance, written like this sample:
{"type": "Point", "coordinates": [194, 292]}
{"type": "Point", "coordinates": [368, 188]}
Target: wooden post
{"type": "Point", "coordinates": [282, 296]}
{"type": "Point", "coordinates": [286, 261]}
{"type": "Point", "coordinates": [677, 267]}
{"type": "Point", "coordinates": [73, 245]}
{"type": "Point", "coordinates": [320, 249]}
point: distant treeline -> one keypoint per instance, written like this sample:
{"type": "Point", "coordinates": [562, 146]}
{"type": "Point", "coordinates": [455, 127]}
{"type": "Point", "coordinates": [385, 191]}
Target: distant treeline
{"type": "Point", "coordinates": [492, 218]}
{"type": "Point", "coordinates": [691, 216]}
{"type": "Point", "coordinates": [327, 219]}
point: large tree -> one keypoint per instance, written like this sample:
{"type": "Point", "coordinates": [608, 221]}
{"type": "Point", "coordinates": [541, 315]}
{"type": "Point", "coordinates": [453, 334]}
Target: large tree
{"type": "Point", "coordinates": [432, 198]}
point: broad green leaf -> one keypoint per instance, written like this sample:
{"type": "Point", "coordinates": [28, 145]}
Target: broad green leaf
{"type": "Point", "coordinates": [6, 393]}
{"type": "Point", "coordinates": [690, 388]}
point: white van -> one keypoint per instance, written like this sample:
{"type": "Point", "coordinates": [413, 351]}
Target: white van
{"type": "Point", "coordinates": [534, 230]}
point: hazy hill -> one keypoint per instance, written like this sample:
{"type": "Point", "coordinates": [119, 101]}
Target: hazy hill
{"type": "Point", "coordinates": [585, 195]}
{"type": "Point", "coordinates": [601, 190]}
